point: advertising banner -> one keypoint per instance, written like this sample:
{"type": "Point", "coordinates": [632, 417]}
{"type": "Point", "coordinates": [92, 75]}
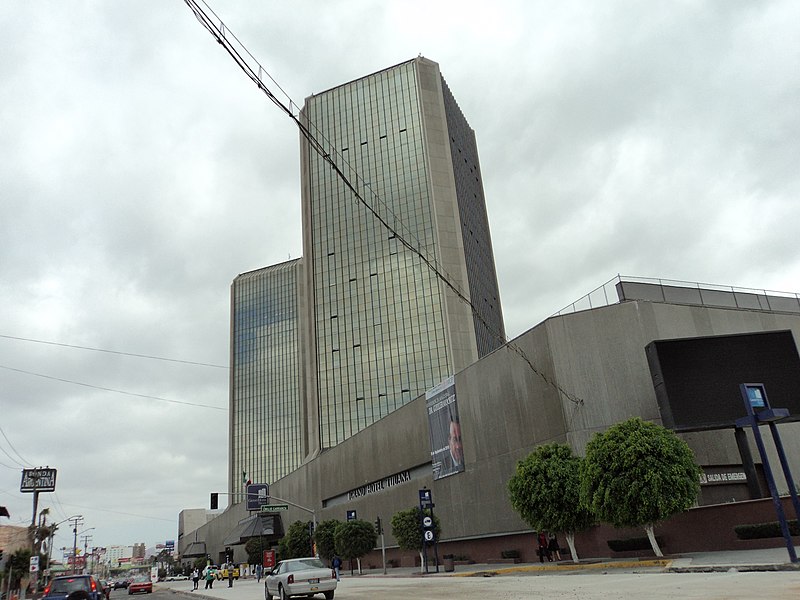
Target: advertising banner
{"type": "Point", "coordinates": [447, 454]}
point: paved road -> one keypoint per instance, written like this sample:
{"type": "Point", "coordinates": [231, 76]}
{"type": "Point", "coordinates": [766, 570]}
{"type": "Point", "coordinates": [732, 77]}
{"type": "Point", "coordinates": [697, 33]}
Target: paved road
{"type": "Point", "coordinates": [606, 585]}
{"type": "Point", "coordinates": [613, 585]}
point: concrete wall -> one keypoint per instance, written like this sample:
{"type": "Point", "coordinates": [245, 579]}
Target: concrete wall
{"type": "Point", "coordinates": [562, 381]}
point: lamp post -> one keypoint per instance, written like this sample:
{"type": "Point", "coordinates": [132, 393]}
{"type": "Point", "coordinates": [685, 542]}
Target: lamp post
{"type": "Point", "coordinates": [52, 535]}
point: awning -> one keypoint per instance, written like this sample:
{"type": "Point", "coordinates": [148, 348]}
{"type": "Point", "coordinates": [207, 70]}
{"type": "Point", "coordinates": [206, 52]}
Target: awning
{"type": "Point", "coordinates": [255, 526]}
{"type": "Point", "coordinates": [195, 549]}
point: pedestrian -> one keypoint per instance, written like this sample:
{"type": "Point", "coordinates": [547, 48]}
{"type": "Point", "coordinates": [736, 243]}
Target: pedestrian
{"type": "Point", "coordinates": [230, 575]}
{"type": "Point", "coordinates": [544, 547]}
{"type": "Point", "coordinates": [259, 570]}
{"type": "Point", "coordinates": [337, 564]}
{"type": "Point", "coordinates": [209, 578]}
{"type": "Point", "coordinates": [553, 548]}
{"type": "Point", "coordinates": [195, 578]}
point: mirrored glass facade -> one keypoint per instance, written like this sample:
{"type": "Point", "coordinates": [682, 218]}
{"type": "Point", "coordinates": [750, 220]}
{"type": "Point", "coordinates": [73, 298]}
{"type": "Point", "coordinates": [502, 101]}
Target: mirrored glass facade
{"type": "Point", "coordinates": [380, 319]}
{"type": "Point", "coordinates": [266, 400]}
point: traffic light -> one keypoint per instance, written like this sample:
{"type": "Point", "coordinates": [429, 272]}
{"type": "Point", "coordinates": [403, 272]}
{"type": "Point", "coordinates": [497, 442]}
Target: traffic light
{"type": "Point", "coordinates": [378, 526]}
{"type": "Point", "coordinates": [214, 500]}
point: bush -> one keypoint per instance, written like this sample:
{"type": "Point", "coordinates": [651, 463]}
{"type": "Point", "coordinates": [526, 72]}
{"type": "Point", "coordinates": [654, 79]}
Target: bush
{"type": "Point", "coordinates": [632, 544]}
{"type": "Point", "coordinates": [757, 531]}
{"type": "Point", "coordinates": [509, 554]}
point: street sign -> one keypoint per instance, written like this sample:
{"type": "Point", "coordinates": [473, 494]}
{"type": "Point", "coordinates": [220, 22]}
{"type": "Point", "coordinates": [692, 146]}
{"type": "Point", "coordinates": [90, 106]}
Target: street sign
{"type": "Point", "coordinates": [428, 535]}
{"type": "Point", "coordinates": [427, 522]}
{"type": "Point", "coordinates": [274, 507]}
{"type": "Point", "coordinates": [38, 480]}
{"type": "Point", "coordinates": [351, 515]}
{"type": "Point", "coordinates": [34, 566]}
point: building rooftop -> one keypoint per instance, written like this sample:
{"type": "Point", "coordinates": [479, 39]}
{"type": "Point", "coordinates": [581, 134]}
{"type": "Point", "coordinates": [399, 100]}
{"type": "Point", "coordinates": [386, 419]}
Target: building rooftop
{"type": "Point", "coordinates": [623, 288]}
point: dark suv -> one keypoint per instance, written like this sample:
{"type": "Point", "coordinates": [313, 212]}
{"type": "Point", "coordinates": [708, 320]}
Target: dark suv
{"type": "Point", "coordinates": [61, 587]}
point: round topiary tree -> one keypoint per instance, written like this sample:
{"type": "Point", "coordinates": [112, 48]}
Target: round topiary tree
{"type": "Point", "coordinates": [545, 491]}
{"type": "Point", "coordinates": [637, 474]}
{"type": "Point", "coordinates": [354, 539]}
{"type": "Point", "coordinates": [297, 541]}
{"type": "Point", "coordinates": [408, 531]}
{"type": "Point", "coordinates": [324, 538]}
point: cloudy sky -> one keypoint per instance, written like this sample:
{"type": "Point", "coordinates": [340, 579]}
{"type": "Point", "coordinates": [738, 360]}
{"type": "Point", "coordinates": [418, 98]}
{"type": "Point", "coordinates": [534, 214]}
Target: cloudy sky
{"type": "Point", "coordinates": [141, 171]}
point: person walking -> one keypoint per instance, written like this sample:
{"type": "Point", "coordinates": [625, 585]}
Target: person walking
{"type": "Point", "coordinates": [337, 564]}
{"type": "Point", "coordinates": [259, 570]}
{"type": "Point", "coordinates": [230, 575]}
{"type": "Point", "coordinates": [209, 578]}
{"type": "Point", "coordinates": [553, 548]}
{"type": "Point", "coordinates": [195, 578]}
{"type": "Point", "coordinates": [544, 547]}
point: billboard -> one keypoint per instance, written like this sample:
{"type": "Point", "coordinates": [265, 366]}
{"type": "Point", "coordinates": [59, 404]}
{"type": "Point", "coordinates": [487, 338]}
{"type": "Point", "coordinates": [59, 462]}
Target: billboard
{"type": "Point", "coordinates": [444, 426]}
{"type": "Point", "coordinates": [38, 480]}
{"type": "Point", "coordinates": [696, 380]}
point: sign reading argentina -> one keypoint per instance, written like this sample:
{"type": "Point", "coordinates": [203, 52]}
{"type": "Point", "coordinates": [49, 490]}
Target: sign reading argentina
{"type": "Point", "coordinates": [38, 480]}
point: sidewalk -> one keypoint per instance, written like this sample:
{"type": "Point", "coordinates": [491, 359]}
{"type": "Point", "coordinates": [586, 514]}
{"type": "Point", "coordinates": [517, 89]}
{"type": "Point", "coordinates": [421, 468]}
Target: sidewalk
{"type": "Point", "coordinates": [772, 559]}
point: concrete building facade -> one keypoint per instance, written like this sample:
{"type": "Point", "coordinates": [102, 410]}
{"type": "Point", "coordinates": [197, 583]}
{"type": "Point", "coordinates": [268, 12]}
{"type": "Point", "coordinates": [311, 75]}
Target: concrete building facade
{"type": "Point", "coordinates": [562, 381]}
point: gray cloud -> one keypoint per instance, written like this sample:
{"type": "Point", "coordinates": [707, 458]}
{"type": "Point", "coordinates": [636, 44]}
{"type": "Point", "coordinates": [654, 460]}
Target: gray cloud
{"type": "Point", "coordinates": [140, 172]}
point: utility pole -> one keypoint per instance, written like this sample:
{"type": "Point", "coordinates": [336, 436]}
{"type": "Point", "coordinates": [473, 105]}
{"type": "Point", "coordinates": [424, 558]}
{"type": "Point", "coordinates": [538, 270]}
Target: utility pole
{"type": "Point", "coordinates": [77, 520]}
{"type": "Point", "coordinates": [86, 539]}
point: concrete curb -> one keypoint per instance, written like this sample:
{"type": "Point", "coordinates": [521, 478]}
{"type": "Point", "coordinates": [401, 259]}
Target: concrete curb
{"type": "Point", "coordinates": [622, 564]}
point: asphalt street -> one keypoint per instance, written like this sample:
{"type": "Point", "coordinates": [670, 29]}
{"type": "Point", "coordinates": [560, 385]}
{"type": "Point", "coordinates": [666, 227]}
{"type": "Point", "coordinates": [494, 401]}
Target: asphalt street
{"type": "Point", "coordinates": [712, 575]}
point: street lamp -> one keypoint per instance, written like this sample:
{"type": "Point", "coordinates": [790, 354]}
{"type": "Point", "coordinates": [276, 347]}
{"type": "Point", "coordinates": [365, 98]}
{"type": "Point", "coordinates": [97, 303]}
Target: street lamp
{"type": "Point", "coordinates": [53, 534]}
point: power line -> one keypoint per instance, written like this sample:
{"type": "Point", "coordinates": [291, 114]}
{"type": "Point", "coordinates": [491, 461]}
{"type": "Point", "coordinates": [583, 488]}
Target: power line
{"type": "Point", "coordinates": [222, 34]}
{"type": "Point", "coordinates": [10, 445]}
{"type": "Point", "coordinates": [106, 389]}
{"type": "Point", "coordinates": [148, 356]}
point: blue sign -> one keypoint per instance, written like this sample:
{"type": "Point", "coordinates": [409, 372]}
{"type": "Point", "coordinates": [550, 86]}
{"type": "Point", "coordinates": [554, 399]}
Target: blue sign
{"type": "Point", "coordinates": [425, 498]}
{"type": "Point", "coordinates": [351, 515]}
{"type": "Point", "coordinates": [756, 396]}
{"type": "Point", "coordinates": [257, 495]}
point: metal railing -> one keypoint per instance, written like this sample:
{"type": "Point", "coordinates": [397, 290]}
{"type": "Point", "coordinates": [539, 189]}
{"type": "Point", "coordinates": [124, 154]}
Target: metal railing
{"type": "Point", "coordinates": [684, 292]}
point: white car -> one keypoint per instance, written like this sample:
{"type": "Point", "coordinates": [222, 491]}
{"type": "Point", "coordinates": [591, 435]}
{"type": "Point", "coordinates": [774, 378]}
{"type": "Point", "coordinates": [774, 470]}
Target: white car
{"type": "Point", "coordinates": [300, 577]}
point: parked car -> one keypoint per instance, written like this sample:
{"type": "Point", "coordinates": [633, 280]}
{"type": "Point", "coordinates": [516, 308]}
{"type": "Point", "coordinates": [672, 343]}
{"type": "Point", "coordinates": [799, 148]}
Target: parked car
{"type": "Point", "coordinates": [120, 584]}
{"type": "Point", "coordinates": [61, 587]}
{"type": "Point", "coordinates": [106, 587]}
{"type": "Point", "coordinates": [140, 585]}
{"type": "Point", "coordinates": [300, 577]}
{"type": "Point", "coordinates": [223, 572]}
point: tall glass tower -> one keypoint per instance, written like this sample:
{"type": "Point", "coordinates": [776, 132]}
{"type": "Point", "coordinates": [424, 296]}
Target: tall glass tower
{"type": "Point", "coordinates": [382, 324]}
{"type": "Point", "coordinates": [267, 434]}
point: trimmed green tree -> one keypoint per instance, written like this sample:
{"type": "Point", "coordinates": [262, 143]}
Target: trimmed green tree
{"type": "Point", "coordinates": [297, 541]}
{"type": "Point", "coordinates": [354, 539]}
{"type": "Point", "coordinates": [255, 547]}
{"type": "Point", "coordinates": [324, 538]}
{"type": "Point", "coordinates": [637, 474]}
{"type": "Point", "coordinates": [407, 529]}
{"type": "Point", "coordinates": [545, 491]}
